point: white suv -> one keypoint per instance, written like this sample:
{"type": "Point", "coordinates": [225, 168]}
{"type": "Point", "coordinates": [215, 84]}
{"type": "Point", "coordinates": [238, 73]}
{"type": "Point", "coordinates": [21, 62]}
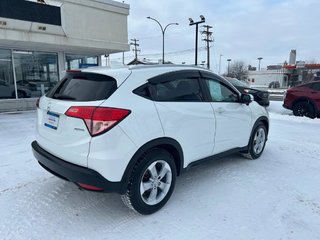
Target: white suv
{"type": "Point", "coordinates": [133, 130]}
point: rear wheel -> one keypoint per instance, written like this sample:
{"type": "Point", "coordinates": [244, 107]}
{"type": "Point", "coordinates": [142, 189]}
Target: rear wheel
{"type": "Point", "coordinates": [152, 182]}
{"type": "Point", "coordinates": [303, 109]}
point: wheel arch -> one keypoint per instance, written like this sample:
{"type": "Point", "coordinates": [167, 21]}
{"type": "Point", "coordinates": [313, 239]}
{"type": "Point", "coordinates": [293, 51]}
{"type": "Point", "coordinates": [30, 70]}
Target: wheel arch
{"type": "Point", "coordinates": [263, 120]}
{"type": "Point", "coordinates": [305, 99]}
{"type": "Point", "coordinates": [168, 144]}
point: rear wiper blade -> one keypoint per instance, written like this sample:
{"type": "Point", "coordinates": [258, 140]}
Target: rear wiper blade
{"type": "Point", "coordinates": [63, 96]}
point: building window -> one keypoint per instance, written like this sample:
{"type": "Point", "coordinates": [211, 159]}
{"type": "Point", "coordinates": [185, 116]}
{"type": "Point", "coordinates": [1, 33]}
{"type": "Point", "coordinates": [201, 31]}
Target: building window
{"type": "Point", "coordinates": [74, 61]}
{"type": "Point", "coordinates": [7, 88]}
{"type": "Point", "coordinates": [36, 72]}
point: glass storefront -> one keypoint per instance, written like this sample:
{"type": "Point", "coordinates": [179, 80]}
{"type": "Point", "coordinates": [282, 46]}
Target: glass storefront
{"type": "Point", "coordinates": [7, 88]}
{"type": "Point", "coordinates": [79, 61]}
{"type": "Point", "coordinates": [35, 73]}
{"type": "Point", "coordinates": [30, 74]}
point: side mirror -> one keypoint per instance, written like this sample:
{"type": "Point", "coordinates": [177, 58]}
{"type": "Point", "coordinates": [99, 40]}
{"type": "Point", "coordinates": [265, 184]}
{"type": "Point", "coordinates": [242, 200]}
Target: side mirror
{"type": "Point", "coordinates": [246, 99]}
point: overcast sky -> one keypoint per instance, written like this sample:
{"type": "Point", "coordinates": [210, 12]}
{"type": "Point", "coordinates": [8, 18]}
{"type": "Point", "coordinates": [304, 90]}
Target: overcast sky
{"type": "Point", "coordinates": [242, 30]}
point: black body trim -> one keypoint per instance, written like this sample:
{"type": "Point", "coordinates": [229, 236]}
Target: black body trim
{"type": "Point", "coordinates": [262, 119]}
{"type": "Point", "coordinates": [74, 173]}
{"type": "Point", "coordinates": [170, 76]}
{"type": "Point", "coordinates": [216, 157]}
{"type": "Point", "coordinates": [169, 144]}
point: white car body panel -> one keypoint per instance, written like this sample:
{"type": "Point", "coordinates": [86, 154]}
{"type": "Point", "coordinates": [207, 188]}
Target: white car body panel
{"type": "Point", "coordinates": [71, 139]}
{"type": "Point", "coordinates": [233, 125]}
{"type": "Point", "coordinates": [192, 124]}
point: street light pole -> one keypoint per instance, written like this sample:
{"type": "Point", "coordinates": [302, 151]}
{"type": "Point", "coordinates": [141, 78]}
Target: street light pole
{"type": "Point", "coordinates": [229, 60]}
{"type": "Point", "coordinates": [220, 64]}
{"type": "Point", "coordinates": [196, 23]}
{"type": "Point", "coordinates": [163, 30]}
{"type": "Point", "coordinates": [259, 58]}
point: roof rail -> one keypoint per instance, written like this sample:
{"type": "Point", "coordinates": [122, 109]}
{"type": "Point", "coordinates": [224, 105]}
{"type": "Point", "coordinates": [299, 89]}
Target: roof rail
{"type": "Point", "coordinates": [132, 67]}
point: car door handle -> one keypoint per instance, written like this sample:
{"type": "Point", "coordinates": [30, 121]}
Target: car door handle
{"type": "Point", "coordinates": [220, 110]}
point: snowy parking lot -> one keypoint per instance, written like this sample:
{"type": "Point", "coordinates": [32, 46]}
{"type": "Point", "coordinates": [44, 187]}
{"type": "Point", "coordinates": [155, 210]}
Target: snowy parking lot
{"type": "Point", "coordinates": [274, 197]}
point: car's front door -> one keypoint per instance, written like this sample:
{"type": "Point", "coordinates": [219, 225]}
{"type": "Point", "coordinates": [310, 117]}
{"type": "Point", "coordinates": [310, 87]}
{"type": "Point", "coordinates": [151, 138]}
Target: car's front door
{"type": "Point", "coordinates": [233, 119]}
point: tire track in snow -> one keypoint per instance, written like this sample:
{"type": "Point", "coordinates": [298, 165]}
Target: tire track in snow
{"type": "Point", "coordinates": [56, 202]}
{"type": "Point", "coordinates": [28, 211]}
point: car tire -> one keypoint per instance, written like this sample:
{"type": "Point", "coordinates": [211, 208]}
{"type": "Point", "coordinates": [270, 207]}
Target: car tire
{"type": "Point", "coordinates": [21, 94]}
{"type": "Point", "coordinates": [303, 109]}
{"type": "Point", "coordinates": [257, 142]}
{"type": "Point", "coordinates": [151, 183]}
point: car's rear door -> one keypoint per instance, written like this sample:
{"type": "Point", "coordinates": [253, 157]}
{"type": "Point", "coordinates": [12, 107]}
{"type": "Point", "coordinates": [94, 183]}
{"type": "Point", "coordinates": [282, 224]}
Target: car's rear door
{"type": "Point", "coordinates": [184, 114]}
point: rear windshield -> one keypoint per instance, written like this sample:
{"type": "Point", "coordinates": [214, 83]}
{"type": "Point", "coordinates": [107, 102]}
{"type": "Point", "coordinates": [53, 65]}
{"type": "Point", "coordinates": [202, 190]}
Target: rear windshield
{"type": "Point", "coordinates": [83, 87]}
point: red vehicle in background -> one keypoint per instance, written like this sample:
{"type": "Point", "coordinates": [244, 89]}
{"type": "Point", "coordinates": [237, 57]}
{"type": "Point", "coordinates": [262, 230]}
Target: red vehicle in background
{"type": "Point", "coordinates": [304, 100]}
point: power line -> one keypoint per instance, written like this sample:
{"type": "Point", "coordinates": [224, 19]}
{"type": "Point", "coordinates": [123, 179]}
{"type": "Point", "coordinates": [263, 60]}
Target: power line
{"type": "Point", "coordinates": [181, 52]}
{"type": "Point", "coordinates": [175, 53]}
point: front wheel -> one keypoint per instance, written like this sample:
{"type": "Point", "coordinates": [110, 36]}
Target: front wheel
{"type": "Point", "coordinates": [152, 182]}
{"type": "Point", "coordinates": [257, 141]}
{"type": "Point", "coordinates": [303, 109]}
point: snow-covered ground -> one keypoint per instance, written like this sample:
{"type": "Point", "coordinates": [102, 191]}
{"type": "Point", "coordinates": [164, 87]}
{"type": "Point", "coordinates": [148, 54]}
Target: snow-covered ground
{"type": "Point", "coordinates": [274, 197]}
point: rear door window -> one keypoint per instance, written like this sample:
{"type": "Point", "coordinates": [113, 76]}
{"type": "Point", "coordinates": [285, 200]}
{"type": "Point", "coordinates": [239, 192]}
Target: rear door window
{"type": "Point", "coordinates": [84, 87]}
{"type": "Point", "coordinates": [179, 90]}
{"type": "Point", "coordinates": [178, 86]}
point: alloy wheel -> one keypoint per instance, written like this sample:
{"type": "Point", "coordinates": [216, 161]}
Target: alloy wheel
{"type": "Point", "coordinates": [155, 183]}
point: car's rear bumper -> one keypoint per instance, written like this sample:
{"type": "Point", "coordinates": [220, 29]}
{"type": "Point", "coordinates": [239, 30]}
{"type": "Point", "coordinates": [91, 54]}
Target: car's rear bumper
{"type": "Point", "coordinates": [81, 176]}
{"type": "Point", "coordinates": [285, 105]}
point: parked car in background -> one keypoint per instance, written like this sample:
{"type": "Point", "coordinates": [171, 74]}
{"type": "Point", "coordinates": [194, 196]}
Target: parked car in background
{"type": "Point", "coordinates": [304, 100]}
{"type": "Point", "coordinates": [274, 84]}
{"type": "Point", "coordinates": [8, 91]}
{"type": "Point", "coordinates": [260, 96]}
{"type": "Point", "coordinates": [134, 130]}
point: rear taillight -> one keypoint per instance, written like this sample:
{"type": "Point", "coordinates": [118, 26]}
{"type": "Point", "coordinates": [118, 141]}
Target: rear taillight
{"type": "Point", "coordinates": [98, 119]}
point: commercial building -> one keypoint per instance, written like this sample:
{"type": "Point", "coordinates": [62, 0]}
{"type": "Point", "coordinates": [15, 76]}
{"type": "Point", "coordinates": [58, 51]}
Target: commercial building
{"type": "Point", "coordinates": [285, 75]}
{"type": "Point", "coordinates": [39, 41]}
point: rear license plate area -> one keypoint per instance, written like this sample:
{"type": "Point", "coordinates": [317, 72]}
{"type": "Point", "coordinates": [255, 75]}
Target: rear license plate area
{"type": "Point", "coordinates": [52, 120]}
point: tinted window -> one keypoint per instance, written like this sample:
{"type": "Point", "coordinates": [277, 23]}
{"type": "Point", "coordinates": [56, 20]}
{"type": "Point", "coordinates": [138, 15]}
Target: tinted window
{"type": "Point", "coordinates": [220, 92]}
{"type": "Point", "coordinates": [143, 91]}
{"type": "Point", "coordinates": [179, 90]}
{"type": "Point", "coordinates": [84, 87]}
{"type": "Point", "coordinates": [316, 86]}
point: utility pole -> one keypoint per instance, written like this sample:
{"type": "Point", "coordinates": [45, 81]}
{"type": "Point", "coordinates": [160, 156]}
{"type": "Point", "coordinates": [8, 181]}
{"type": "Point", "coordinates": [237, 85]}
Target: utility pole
{"type": "Point", "coordinates": [208, 39]}
{"type": "Point", "coordinates": [135, 48]}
